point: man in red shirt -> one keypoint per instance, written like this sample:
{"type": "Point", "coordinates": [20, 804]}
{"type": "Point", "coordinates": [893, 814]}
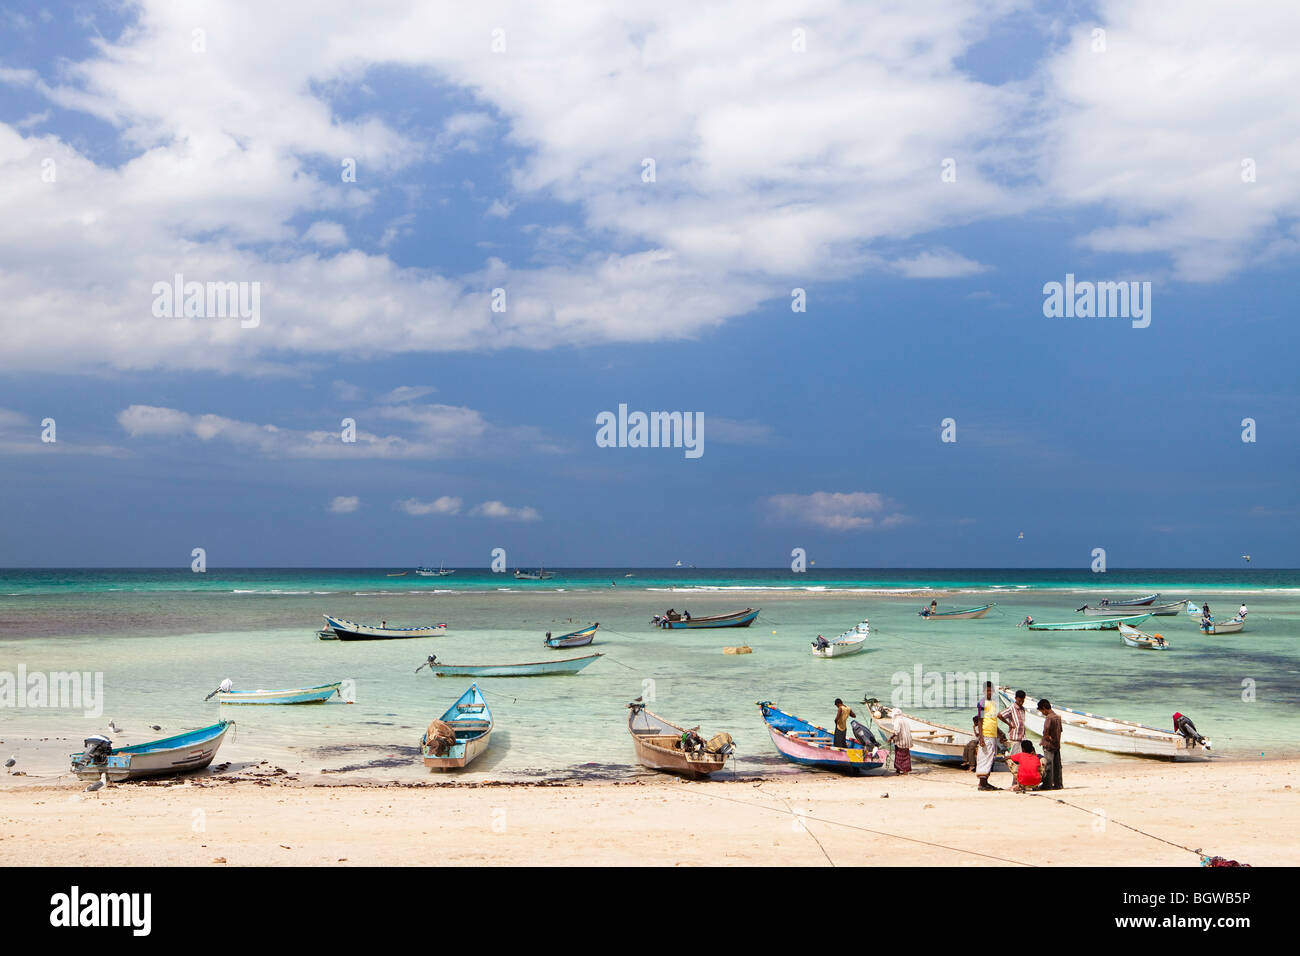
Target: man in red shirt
{"type": "Point", "coordinates": [1025, 765]}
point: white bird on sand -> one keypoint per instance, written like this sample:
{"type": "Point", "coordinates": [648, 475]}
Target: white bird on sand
{"type": "Point", "coordinates": [9, 763]}
{"type": "Point", "coordinates": [98, 784]}
{"type": "Point", "coordinates": [114, 727]}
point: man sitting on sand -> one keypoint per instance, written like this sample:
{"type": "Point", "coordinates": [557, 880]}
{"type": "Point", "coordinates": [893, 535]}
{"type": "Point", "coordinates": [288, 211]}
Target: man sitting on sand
{"type": "Point", "coordinates": [1025, 767]}
{"type": "Point", "coordinates": [969, 752]}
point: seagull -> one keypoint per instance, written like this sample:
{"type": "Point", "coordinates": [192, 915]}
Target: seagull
{"type": "Point", "coordinates": [9, 763]}
{"type": "Point", "coordinates": [114, 727]}
{"type": "Point", "coordinates": [98, 784]}
{"type": "Point", "coordinates": [1247, 557]}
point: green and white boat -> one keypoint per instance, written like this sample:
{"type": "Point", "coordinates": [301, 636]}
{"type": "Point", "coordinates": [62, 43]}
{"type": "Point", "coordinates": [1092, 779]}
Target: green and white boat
{"type": "Point", "coordinates": [1094, 624]}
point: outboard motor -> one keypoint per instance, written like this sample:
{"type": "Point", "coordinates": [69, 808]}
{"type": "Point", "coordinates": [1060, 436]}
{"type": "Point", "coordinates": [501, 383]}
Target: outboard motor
{"type": "Point", "coordinates": [821, 643]}
{"type": "Point", "coordinates": [1184, 726]}
{"type": "Point", "coordinates": [863, 734]}
{"type": "Point", "coordinates": [98, 747]}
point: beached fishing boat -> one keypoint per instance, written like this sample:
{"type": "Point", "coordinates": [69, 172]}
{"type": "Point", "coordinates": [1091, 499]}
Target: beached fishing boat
{"type": "Point", "coordinates": [1109, 610]}
{"type": "Point", "coordinates": [1083, 729]}
{"type": "Point", "coordinates": [570, 665]}
{"type": "Point", "coordinates": [580, 638]}
{"type": "Point", "coordinates": [850, 642]}
{"type": "Point", "coordinates": [351, 631]}
{"type": "Point", "coordinates": [1226, 627]}
{"type": "Point", "coordinates": [296, 695]}
{"type": "Point", "coordinates": [1094, 624]}
{"type": "Point", "coordinates": [460, 734]}
{"type": "Point", "coordinates": [1132, 637]}
{"type": "Point", "coordinates": [672, 619]}
{"type": "Point", "coordinates": [658, 745]}
{"type": "Point", "coordinates": [181, 753]}
{"type": "Point", "coordinates": [804, 743]}
{"type": "Point", "coordinates": [932, 742]}
{"type": "Point", "coordinates": [966, 614]}
{"type": "Point", "coordinates": [1133, 602]}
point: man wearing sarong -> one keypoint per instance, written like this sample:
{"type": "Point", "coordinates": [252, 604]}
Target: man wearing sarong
{"type": "Point", "coordinates": [842, 714]}
{"type": "Point", "coordinates": [901, 738]}
{"type": "Point", "coordinates": [988, 750]}
{"type": "Point", "coordinates": [1051, 746]}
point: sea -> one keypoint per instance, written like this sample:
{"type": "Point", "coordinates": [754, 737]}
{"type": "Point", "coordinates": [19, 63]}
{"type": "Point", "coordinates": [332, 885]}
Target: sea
{"type": "Point", "coordinates": [159, 640]}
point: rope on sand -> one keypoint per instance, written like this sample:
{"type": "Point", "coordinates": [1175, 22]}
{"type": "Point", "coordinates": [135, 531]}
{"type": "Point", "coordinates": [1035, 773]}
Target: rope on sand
{"type": "Point", "coordinates": [851, 826]}
{"type": "Point", "coordinates": [1201, 856]}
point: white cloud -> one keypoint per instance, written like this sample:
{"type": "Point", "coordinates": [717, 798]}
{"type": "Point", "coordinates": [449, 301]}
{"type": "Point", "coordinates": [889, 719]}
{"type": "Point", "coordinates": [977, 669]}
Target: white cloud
{"type": "Point", "coordinates": [344, 504]}
{"type": "Point", "coordinates": [835, 511]}
{"type": "Point", "coordinates": [770, 165]}
{"type": "Point", "coordinates": [446, 505]}
{"type": "Point", "coordinates": [937, 264]}
{"type": "Point", "coordinates": [325, 233]}
{"type": "Point", "coordinates": [498, 509]}
{"type": "Point", "coordinates": [406, 393]}
{"type": "Point", "coordinates": [427, 432]}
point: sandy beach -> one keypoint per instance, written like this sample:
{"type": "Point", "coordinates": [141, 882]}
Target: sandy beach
{"type": "Point", "coordinates": [265, 817]}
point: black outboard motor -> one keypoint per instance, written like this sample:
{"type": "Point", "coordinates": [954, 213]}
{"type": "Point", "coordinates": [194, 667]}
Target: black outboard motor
{"type": "Point", "coordinates": [821, 643]}
{"type": "Point", "coordinates": [98, 747]}
{"type": "Point", "coordinates": [863, 734]}
{"type": "Point", "coordinates": [1183, 725]}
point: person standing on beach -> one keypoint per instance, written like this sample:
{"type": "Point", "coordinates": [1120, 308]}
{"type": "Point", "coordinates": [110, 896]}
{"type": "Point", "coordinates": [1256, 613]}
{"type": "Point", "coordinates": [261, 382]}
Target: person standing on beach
{"type": "Point", "coordinates": [901, 738]}
{"type": "Point", "coordinates": [970, 752]}
{"type": "Point", "coordinates": [988, 749]}
{"type": "Point", "coordinates": [842, 714]}
{"type": "Point", "coordinates": [1014, 718]}
{"type": "Point", "coordinates": [1051, 746]}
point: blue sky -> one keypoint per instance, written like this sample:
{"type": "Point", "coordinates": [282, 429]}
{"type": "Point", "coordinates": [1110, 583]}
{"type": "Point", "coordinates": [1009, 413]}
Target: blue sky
{"type": "Point", "coordinates": [522, 169]}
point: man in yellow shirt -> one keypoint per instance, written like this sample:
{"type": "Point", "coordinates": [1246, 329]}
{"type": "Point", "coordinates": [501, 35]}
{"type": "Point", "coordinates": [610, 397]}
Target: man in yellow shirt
{"type": "Point", "coordinates": [842, 714]}
{"type": "Point", "coordinates": [987, 715]}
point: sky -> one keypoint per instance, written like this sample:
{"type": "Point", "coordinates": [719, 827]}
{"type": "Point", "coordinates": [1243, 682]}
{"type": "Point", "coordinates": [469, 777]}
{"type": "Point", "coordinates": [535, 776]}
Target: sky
{"type": "Point", "coordinates": [824, 228]}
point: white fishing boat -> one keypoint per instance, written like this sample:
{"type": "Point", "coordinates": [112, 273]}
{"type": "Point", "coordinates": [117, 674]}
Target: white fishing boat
{"type": "Point", "coordinates": [1110, 610]}
{"type": "Point", "coordinates": [850, 642]}
{"type": "Point", "coordinates": [1083, 729]}
{"type": "Point", "coordinates": [932, 742]}
{"type": "Point", "coordinates": [1132, 637]}
{"type": "Point", "coordinates": [352, 631]}
{"type": "Point", "coordinates": [1225, 627]}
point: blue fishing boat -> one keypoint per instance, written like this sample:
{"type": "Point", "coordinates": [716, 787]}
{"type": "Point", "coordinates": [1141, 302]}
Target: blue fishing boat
{"type": "Point", "coordinates": [805, 743]}
{"type": "Point", "coordinates": [181, 753]}
{"type": "Point", "coordinates": [294, 695]}
{"type": "Point", "coordinates": [570, 665]}
{"type": "Point", "coordinates": [672, 619]}
{"type": "Point", "coordinates": [574, 639]}
{"type": "Point", "coordinates": [460, 734]}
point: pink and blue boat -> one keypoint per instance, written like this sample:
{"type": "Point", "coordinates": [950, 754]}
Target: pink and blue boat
{"type": "Point", "coordinates": [805, 743]}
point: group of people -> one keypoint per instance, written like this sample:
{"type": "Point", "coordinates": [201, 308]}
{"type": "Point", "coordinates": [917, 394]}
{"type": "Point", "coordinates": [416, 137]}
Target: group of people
{"type": "Point", "coordinates": [1029, 769]}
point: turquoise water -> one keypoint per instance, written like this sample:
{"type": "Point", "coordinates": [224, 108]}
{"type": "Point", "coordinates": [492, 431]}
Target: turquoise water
{"type": "Point", "coordinates": [164, 639]}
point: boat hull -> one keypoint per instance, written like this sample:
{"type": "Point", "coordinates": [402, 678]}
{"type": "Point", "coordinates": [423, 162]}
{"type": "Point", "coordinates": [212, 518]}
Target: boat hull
{"type": "Point", "coordinates": [183, 753]}
{"type": "Point", "coordinates": [1083, 729]}
{"type": "Point", "coordinates": [931, 742]}
{"type": "Point", "coordinates": [535, 669]}
{"type": "Point", "coordinates": [1132, 637]}
{"type": "Point", "coordinates": [1096, 624]}
{"type": "Point", "coordinates": [969, 614]}
{"type": "Point", "coordinates": [808, 745]}
{"type": "Point", "coordinates": [297, 695]}
{"type": "Point", "coordinates": [577, 639]}
{"type": "Point", "coordinates": [472, 721]}
{"type": "Point", "coordinates": [843, 648]}
{"type": "Point", "coordinates": [1227, 627]}
{"type": "Point", "coordinates": [351, 631]}
{"type": "Point", "coordinates": [1158, 610]}
{"type": "Point", "coordinates": [738, 619]}
{"type": "Point", "coordinates": [652, 739]}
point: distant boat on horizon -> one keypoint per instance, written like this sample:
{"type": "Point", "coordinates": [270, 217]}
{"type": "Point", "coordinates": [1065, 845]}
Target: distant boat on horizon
{"type": "Point", "coordinates": [439, 571]}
